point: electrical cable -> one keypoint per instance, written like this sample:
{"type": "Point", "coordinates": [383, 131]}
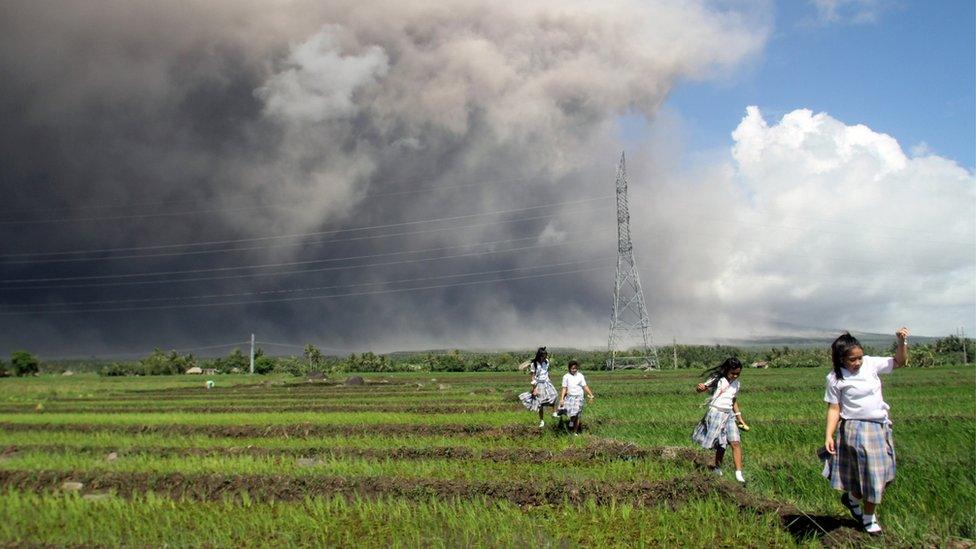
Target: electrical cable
{"type": "Point", "coordinates": [292, 244]}
{"type": "Point", "coordinates": [305, 298]}
{"type": "Point", "coordinates": [315, 233]}
{"type": "Point", "coordinates": [308, 289]}
{"type": "Point", "coordinates": [302, 271]}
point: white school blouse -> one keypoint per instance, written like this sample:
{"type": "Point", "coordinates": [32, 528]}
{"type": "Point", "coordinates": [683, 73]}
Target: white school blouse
{"type": "Point", "coordinates": [859, 395]}
{"type": "Point", "coordinates": [574, 384]}
{"type": "Point", "coordinates": [724, 394]}
{"type": "Point", "coordinates": [540, 372]}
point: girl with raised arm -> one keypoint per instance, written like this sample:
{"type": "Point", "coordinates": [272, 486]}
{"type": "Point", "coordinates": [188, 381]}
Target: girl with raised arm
{"type": "Point", "coordinates": [862, 459]}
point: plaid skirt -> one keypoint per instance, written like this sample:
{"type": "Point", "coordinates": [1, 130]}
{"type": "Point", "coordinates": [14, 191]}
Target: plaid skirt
{"type": "Point", "coordinates": [545, 396]}
{"type": "Point", "coordinates": [573, 404]}
{"type": "Point", "coordinates": [864, 462]}
{"type": "Point", "coordinates": [716, 430]}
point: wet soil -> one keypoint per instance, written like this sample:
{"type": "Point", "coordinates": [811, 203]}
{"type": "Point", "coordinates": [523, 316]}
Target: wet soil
{"type": "Point", "coordinates": [294, 430]}
{"type": "Point", "coordinates": [596, 452]}
{"type": "Point", "coordinates": [385, 408]}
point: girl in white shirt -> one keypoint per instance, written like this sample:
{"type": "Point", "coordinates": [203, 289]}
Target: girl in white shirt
{"type": "Point", "coordinates": [862, 461]}
{"type": "Point", "coordinates": [719, 429]}
{"type": "Point", "coordinates": [571, 399]}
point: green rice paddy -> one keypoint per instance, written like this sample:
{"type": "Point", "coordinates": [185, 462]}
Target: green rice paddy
{"type": "Point", "coordinates": [407, 460]}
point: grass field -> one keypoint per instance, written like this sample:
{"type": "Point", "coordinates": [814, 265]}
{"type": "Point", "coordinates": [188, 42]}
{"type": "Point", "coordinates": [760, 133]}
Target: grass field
{"type": "Point", "coordinates": [407, 460]}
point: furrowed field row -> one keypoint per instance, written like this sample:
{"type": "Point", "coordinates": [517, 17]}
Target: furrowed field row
{"type": "Point", "coordinates": [931, 396]}
{"type": "Point", "coordinates": [354, 466]}
{"type": "Point", "coordinates": [766, 447]}
{"type": "Point", "coordinates": [204, 395]}
{"type": "Point", "coordinates": [153, 521]}
{"type": "Point", "coordinates": [683, 397]}
{"type": "Point", "coordinates": [595, 451]}
{"type": "Point", "coordinates": [283, 419]}
{"type": "Point", "coordinates": [649, 388]}
{"type": "Point", "coordinates": [144, 408]}
{"type": "Point", "coordinates": [604, 413]}
{"type": "Point", "coordinates": [209, 487]}
{"type": "Point", "coordinates": [120, 441]}
{"type": "Point", "coordinates": [287, 430]}
{"type": "Point", "coordinates": [327, 423]}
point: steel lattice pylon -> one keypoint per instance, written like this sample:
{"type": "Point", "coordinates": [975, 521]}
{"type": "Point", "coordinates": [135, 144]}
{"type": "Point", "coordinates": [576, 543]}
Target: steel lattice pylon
{"type": "Point", "coordinates": [629, 323]}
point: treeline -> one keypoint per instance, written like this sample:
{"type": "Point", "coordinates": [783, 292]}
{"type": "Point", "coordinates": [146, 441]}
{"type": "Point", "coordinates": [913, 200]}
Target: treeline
{"type": "Point", "coordinates": [948, 350]}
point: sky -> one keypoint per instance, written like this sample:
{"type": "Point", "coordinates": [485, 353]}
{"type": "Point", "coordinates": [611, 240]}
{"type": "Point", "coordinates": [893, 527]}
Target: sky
{"type": "Point", "coordinates": [441, 175]}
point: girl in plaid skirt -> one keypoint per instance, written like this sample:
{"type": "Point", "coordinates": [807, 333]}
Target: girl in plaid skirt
{"type": "Point", "coordinates": [719, 428]}
{"type": "Point", "coordinates": [571, 399]}
{"type": "Point", "coordinates": [543, 393]}
{"type": "Point", "coordinates": [862, 460]}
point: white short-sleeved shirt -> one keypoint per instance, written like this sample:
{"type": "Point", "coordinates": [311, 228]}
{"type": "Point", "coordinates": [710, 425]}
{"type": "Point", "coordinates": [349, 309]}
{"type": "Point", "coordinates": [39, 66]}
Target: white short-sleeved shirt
{"type": "Point", "coordinates": [540, 371]}
{"type": "Point", "coordinates": [859, 395]}
{"type": "Point", "coordinates": [574, 384]}
{"type": "Point", "coordinates": [724, 394]}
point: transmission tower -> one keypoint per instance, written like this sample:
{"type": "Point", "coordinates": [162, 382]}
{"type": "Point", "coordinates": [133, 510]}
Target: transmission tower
{"type": "Point", "coordinates": [630, 328]}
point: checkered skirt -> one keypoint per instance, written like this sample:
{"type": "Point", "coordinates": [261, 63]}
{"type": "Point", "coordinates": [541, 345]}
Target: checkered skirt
{"type": "Point", "coordinates": [864, 462]}
{"type": "Point", "coordinates": [545, 396]}
{"type": "Point", "coordinates": [573, 404]}
{"type": "Point", "coordinates": [716, 430]}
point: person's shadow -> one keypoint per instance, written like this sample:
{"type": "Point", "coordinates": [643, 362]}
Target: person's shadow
{"type": "Point", "coordinates": [838, 530]}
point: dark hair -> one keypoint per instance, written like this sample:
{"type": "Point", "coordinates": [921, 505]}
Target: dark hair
{"type": "Point", "coordinates": [538, 355]}
{"type": "Point", "coordinates": [844, 344]}
{"type": "Point", "coordinates": [721, 371]}
{"type": "Point", "coordinates": [571, 364]}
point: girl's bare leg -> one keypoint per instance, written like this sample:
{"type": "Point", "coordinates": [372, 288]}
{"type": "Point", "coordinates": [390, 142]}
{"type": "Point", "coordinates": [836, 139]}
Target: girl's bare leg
{"type": "Point", "coordinates": [719, 455]}
{"type": "Point", "coordinates": [737, 455]}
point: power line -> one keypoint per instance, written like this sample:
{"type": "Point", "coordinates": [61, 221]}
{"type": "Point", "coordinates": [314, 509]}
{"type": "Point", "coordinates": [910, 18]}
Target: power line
{"type": "Point", "coordinates": [316, 233]}
{"type": "Point", "coordinates": [302, 271]}
{"type": "Point", "coordinates": [266, 265]}
{"type": "Point", "coordinates": [306, 298]}
{"type": "Point", "coordinates": [308, 289]}
{"type": "Point", "coordinates": [291, 244]}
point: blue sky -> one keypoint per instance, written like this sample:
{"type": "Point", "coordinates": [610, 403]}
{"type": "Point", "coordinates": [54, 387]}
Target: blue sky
{"type": "Point", "coordinates": [907, 69]}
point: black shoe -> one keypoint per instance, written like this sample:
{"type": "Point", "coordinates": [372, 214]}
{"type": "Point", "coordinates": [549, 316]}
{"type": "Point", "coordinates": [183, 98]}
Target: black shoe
{"type": "Point", "coordinates": [854, 509]}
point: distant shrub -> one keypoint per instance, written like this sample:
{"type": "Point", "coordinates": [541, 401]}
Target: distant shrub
{"type": "Point", "coordinates": [263, 365]}
{"type": "Point", "coordinates": [3, 369]}
{"type": "Point", "coordinates": [163, 364]}
{"type": "Point", "coordinates": [24, 363]}
{"type": "Point", "coordinates": [158, 363]}
{"type": "Point", "coordinates": [116, 369]}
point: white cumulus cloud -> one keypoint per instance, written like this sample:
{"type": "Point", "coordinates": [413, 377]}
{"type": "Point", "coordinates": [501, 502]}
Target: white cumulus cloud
{"type": "Point", "coordinates": [819, 224]}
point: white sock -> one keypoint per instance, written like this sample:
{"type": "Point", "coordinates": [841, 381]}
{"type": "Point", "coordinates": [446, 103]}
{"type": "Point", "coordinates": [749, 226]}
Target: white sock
{"type": "Point", "coordinates": [738, 476]}
{"type": "Point", "coordinates": [868, 519]}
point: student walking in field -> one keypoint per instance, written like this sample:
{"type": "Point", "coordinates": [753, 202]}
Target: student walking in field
{"type": "Point", "coordinates": [862, 460]}
{"type": "Point", "coordinates": [571, 399]}
{"type": "Point", "coordinates": [543, 393]}
{"type": "Point", "coordinates": [719, 428]}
